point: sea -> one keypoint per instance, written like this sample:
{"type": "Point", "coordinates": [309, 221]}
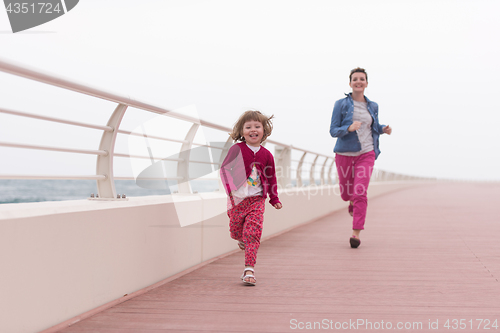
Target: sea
{"type": "Point", "coordinates": [23, 190]}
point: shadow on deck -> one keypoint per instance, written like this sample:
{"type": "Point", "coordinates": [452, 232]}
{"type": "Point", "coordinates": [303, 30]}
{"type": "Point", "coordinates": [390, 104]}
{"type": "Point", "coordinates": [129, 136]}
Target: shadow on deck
{"type": "Point", "coordinates": [429, 255]}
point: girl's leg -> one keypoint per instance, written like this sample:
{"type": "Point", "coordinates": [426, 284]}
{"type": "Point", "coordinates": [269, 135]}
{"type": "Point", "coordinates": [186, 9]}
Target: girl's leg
{"type": "Point", "coordinates": [236, 221]}
{"type": "Point", "coordinates": [363, 167]}
{"type": "Point", "coordinates": [252, 229]}
{"type": "Point", "coordinates": [345, 171]}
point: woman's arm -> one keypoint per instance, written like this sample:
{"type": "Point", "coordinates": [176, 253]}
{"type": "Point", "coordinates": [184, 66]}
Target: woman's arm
{"type": "Point", "coordinates": [336, 130]}
{"type": "Point", "coordinates": [379, 128]}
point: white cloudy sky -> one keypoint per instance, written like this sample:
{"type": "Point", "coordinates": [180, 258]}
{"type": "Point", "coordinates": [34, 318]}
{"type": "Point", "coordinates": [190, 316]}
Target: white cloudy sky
{"type": "Point", "coordinates": [433, 69]}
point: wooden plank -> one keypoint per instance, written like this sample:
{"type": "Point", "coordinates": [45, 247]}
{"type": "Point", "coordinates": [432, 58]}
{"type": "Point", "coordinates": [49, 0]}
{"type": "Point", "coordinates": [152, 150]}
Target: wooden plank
{"type": "Point", "coordinates": [428, 254]}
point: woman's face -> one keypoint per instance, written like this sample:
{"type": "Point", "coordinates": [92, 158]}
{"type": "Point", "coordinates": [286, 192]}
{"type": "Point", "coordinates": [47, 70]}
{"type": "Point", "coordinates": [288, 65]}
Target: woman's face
{"type": "Point", "coordinates": [358, 82]}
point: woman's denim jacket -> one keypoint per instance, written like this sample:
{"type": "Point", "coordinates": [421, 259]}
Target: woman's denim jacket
{"type": "Point", "coordinates": [342, 119]}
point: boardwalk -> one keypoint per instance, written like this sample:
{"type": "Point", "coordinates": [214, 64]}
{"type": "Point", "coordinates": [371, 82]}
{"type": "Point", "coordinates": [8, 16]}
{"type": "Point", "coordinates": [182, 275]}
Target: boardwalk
{"type": "Point", "coordinates": [429, 255]}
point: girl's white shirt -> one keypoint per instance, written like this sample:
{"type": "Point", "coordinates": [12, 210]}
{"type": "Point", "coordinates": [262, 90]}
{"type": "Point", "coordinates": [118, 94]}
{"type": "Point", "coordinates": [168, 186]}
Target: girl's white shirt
{"type": "Point", "coordinates": [253, 186]}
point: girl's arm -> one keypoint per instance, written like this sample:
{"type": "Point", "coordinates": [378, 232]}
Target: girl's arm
{"type": "Point", "coordinates": [270, 174]}
{"type": "Point", "coordinates": [226, 169]}
{"type": "Point", "coordinates": [336, 130]}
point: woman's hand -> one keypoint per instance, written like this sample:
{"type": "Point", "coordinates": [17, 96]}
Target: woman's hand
{"type": "Point", "coordinates": [278, 205]}
{"type": "Point", "coordinates": [354, 126]}
{"type": "Point", "coordinates": [387, 130]}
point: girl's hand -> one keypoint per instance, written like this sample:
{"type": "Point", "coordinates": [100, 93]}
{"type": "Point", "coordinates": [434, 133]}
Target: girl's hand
{"type": "Point", "coordinates": [354, 126]}
{"type": "Point", "coordinates": [387, 130]}
{"type": "Point", "coordinates": [278, 205]}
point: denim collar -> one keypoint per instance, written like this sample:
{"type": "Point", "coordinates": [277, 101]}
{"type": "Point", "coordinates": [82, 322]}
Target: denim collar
{"type": "Point", "coordinates": [349, 95]}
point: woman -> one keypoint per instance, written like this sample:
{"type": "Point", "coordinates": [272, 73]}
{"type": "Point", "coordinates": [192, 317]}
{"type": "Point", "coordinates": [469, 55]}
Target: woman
{"type": "Point", "coordinates": [356, 127]}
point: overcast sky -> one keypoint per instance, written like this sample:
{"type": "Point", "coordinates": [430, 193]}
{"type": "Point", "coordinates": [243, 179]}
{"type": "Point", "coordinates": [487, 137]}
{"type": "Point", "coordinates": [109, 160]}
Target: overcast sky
{"type": "Point", "coordinates": [433, 68]}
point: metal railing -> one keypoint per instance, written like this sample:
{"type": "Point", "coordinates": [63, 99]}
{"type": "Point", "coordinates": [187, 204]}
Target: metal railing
{"type": "Point", "coordinates": [320, 166]}
{"type": "Point", "coordinates": [106, 151]}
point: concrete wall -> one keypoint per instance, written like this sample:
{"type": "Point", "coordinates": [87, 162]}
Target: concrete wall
{"type": "Point", "coordinates": [61, 259]}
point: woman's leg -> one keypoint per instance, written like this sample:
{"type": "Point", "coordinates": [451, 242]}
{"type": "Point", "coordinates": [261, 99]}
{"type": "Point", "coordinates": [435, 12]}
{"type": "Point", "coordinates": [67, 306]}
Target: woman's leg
{"type": "Point", "coordinates": [345, 170]}
{"type": "Point", "coordinates": [363, 168]}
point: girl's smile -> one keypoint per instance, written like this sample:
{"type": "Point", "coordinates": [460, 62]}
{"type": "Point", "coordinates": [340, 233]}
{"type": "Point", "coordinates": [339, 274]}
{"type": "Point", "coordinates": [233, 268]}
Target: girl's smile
{"type": "Point", "coordinates": [253, 132]}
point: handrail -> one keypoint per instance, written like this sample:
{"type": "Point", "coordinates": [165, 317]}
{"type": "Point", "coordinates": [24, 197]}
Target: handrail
{"type": "Point", "coordinates": [151, 136]}
{"type": "Point", "coordinates": [56, 120]}
{"type": "Point", "coordinates": [64, 150]}
{"type": "Point", "coordinates": [104, 166]}
{"type": "Point", "coordinates": [151, 178]}
{"type": "Point", "coordinates": [86, 177]}
{"type": "Point", "coordinates": [149, 157]}
{"type": "Point", "coordinates": [57, 81]}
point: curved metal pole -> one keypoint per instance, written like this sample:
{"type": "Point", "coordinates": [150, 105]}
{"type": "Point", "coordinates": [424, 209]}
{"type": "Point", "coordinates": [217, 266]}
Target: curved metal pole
{"type": "Point", "coordinates": [104, 166]}
{"type": "Point", "coordinates": [311, 172]}
{"type": "Point", "coordinates": [330, 181]}
{"type": "Point", "coordinates": [283, 165]}
{"type": "Point", "coordinates": [322, 179]}
{"type": "Point", "coordinates": [299, 170]}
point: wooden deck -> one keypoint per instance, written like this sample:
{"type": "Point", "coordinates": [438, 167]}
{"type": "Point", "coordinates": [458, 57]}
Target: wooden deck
{"type": "Point", "coordinates": [428, 255]}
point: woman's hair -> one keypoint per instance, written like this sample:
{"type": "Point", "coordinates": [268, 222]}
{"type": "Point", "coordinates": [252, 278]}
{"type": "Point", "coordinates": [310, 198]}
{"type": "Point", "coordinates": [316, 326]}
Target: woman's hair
{"type": "Point", "coordinates": [358, 70]}
{"type": "Point", "coordinates": [237, 133]}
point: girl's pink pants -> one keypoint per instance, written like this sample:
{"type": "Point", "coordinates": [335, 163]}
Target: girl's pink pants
{"type": "Point", "coordinates": [354, 176]}
{"type": "Point", "coordinates": [245, 224]}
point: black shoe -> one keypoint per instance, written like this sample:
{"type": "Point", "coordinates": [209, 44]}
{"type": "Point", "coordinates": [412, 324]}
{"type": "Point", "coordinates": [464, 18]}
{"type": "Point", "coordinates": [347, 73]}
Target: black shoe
{"type": "Point", "coordinates": [355, 242]}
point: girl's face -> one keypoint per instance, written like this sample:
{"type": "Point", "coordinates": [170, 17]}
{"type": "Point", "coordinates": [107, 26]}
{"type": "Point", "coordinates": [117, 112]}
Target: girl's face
{"type": "Point", "coordinates": [253, 131]}
{"type": "Point", "coordinates": [358, 82]}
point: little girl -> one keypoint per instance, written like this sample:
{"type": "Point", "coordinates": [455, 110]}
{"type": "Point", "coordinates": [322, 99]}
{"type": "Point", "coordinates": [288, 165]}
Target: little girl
{"type": "Point", "coordinates": [248, 175]}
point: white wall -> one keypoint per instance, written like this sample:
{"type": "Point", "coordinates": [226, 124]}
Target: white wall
{"type": "Point", "coordinates": [61, 259]}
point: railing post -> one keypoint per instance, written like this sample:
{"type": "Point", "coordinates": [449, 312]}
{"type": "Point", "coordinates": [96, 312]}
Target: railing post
{"type": "Point", "coordinates": [322, 179]}
{"type": "Point", "coordinates": [330, 181]}
{"type": "Point", "coordinates": [311, 172]}
{"type": "Point", "coordinates": [183, 185]}
{"type": "Point", "coordinates": [283, 165]}
{"type": "Point", "coordinates": [299, 170]}
{"type": "Point", "coordinates": [104, 166]}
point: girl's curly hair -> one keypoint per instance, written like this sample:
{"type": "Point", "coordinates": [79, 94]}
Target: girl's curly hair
{"type": "Point", "coordinates": [237, 133]}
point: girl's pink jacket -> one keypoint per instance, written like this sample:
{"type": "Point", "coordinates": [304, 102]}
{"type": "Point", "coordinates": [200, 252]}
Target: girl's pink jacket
{"type": "Point", "coordinates": [237, 167]}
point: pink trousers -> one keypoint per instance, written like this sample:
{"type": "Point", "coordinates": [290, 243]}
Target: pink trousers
{"type": "Point", "coordinates": [354, 176]}
{"type": "Point", "coordinates": [245, 224]}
